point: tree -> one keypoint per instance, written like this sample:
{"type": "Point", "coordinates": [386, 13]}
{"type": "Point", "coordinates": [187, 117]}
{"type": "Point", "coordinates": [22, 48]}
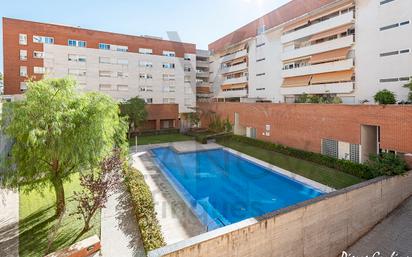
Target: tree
{"type": "Point", "coordinates": [58, 131]}
{"type": "Point", "coordinates": [409, 86]}
{"type": "Point", "coordinates": [385, 97]}
{"type": "Point", "coordinates": [135, 112]}
{"type": "Point", "coordinates": [1, 83]}
{"type": "Point", "coordinates": [97, 187]}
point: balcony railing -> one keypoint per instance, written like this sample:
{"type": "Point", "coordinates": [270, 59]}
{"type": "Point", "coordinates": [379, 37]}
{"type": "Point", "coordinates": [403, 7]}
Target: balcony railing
{"type": "Point", "coordinates": [319, 68]}
{"type": "Point", "coordinates": [234, 56]}
{"type": "Point", "coordinates": [333, 88]}
{"type": "Point", "coordinates": [319, 27]}
{"type": "Point", "coordinates": [233, 93]}
{"type": "Point", "coordinates": [234, 68]}
{"type": "Point", "coordinates": [319, 48]}
{"type": "Point", "coordinates": [239, 80]}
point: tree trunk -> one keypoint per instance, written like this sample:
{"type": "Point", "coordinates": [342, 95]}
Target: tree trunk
{"type": "Point", "coordinates": [60, 201]}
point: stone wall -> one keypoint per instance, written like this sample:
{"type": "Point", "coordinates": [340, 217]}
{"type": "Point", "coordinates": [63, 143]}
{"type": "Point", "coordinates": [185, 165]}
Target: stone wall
{"type": "Point", "coordinates": [320, 227]}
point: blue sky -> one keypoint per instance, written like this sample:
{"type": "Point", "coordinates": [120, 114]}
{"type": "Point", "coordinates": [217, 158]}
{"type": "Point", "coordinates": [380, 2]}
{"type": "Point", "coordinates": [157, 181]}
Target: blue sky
{"type": "Point", "coordinates": [199, 22]}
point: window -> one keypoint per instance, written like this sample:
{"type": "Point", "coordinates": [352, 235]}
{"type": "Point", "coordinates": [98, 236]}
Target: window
{"type": "Point", "coordinates": [104, 46]}
{"type": "Point", "coordinates": [394, 25]}
{"type": "Point", "coordinates": [386, 1]}
{"type": "Point", "coordinates": [260, 60]}
{"type": "Point", "coordinates": [105, 60]}
{"type": "Point", "coordinates": [187, 57]}
{"type": "Point", "coordinates": [145, 51]}
{"type": "Point", "coordinates": [105, 87]}
{"type": "Point", "coordinates": [354, 153]}
{"type": "Point", "coordinates": [145, 76]}
{"type": "Point", "coordinates": [188, 90]}
{"type": "Point", "coordinates": [76, 43]}
{"type": "Point", "coordinates": [43, 40]}
{"type": "Point", "coordinates": [22, 39]}
{"type": "Point", "coordinates": [169, 100]}
{"type": "Point", "coordinates": [168, 65]}
{"type": "Point", "coordinates": [260, 89]}
{"type": "Point", "coordinates": [39, 70]}
{"type": "Point", "coordinates": [76, 58]}
{"type": "Point", "coordinates": [404, 23]}
{"type": "Point", "coordinates": [187, 68]}
{"type": "Point", "coordinates": [260, 74]}
{"type": "Point", "coordinates": [23, 86]}
{"type": "Point", "coordinates": [38, 55]}
{"type": "Point", "coordinates": [405, 79]}
{"type": "Point", "coordinates": [168, 88]}
{"type": "Point", "coordinates": [122, 88]}
{"type": "Point", "coordinates": [123, 61]}
{"type": "Point", "coordinates": [188, 102]}
{"type": "Point", "coordinates": [389, 53]}
{"type": "Point", "coordinates": [188, 79]}
{"type": "Point", "coordinates": [105, 74]}
{"type": "Point", "coordinates": [146, 64]}
{"type": "Point", "coordinates": [260, 45]}
{"type": "Point", "coordinates": [23, 55]}
{"type": "Point", "coordinates": [121, 74]}
{"type": "Point", "coordinates": [388, 80]}
{"type": "Point", "coordinates": [330, 147]}
{"type": "Point", "coordinates": [77, 72]}
{"type": "Point", "coordinates": [148, 100]}
{"type": "Point", "coordinates": [169, 77]}
{"type": "Point", "coordinates": [119, 48]}
{"type": "Point", "coordinates": [23, 71]}
{"type": "Point", "coordinates": [261, 29]}
{"type": "Point", "coordinates": [405, 51]}
{"type": "Point", "coordinates": [169, 53]}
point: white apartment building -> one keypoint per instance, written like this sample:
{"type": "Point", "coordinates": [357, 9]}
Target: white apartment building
{"type": "Point", "coordinates": [350, 49]}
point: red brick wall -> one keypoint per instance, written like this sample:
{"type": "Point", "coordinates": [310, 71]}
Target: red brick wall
{"type": "Point", "coordinates": [304, 125]}
{"type": "Point", "coordinates": [160, 112]}
{"type": "Point", "coordinates": [61, 34]}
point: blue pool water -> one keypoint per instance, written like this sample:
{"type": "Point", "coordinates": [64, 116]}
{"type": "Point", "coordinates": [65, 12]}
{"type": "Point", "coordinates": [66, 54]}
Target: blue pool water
{"type": "Point", "coordinates": [223, 188]}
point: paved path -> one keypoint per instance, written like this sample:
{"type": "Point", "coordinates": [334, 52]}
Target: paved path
{"type": "Point", "coordinates": [393, 234]}
{"type": "Point", "coordinates": [119, 231]}
{"type": "Point", "coordinates": [9, 223]}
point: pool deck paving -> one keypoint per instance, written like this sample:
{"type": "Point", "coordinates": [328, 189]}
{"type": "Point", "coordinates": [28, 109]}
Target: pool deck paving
{"type": "Point", "coordinates": [177, 221]}
{"type": "Point", "coordinates": [391, 235]}
{"type": "Point", "coordinates": [9, 223]}
{"type": "Point", "coordinates": [119, 231]}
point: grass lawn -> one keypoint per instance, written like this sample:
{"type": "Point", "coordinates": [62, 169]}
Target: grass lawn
{"type": "Point", "coordinates": [37, 219]}
{"type": "Point", "coordinates": [313, 171]}
{"type": "Point", "coordinates": [158, 139]}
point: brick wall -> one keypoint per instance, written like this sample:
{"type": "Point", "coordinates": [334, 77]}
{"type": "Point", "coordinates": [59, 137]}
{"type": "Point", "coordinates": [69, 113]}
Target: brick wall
{"type": "Point", "coordinates": [162, 112]}
{"type": "Point", "coordinates": [304, 125]}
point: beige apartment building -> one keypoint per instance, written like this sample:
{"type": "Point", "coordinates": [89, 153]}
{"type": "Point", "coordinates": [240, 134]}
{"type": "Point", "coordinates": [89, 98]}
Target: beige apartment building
{"type": "Point", "coordinates": [350, 49]}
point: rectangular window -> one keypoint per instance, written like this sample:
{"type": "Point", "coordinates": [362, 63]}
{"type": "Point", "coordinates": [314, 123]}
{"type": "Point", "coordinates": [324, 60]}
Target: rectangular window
{"type": "Point", "coordinates": [145, 76]}
{"type": "Point", "coordinates": [23, 55]}
{"type": "Point", "coordinates": [104, 46]}
{"type": "Point", "coordinates": [39, 70]}
{"type": "Point", "coordinates": [188, 102]}
{"type": "Point", "coordinates": [168, 88]}
{"type": "Point", "coordinates": [105, 87]}
{"type": "Point", "coordinates": [389, 80]}
{"type": "Point", "coordinates": [23, 71]}
{"type": "Point", "coordinates": [260, 60]}
{"type": "Point", "coordinates": [168, 65]}
{"type": "Point", "coordinates": [23, 39]}
{"type": "Point", "coordinates": [43, 40]}
{"type": "Point", "coordinates": [169, 53]}
{"type": "Point", "coordinates": [405, 51]}
{"type": "Point", "coordinates": [394, 25]}
{"type": "Point", "coordinates": [354, 153]}
{"type": "Point", "coordinates": [76, 43]}
{"type": "Point", "coordinates": [187, 57]}
{"type": "Point", "coordinates": [76, 58]}
{"type": "Point", "coordinates": [169, 100]}
{"type": "Point", "coordinates": [260, 89]}
{"type": "Point", "coordinates": [405, 79]}
{"type": "Point", "coordinates": [122, 88]}
{"type": "Point", "coordinates": [145, 51]}
{"type": "Point", "coordinates": [121, 74]}
{"type": "Point", "coordinates": [188, 90]}
{"type": "Point", "coordinates": [187, 68]}
{"type": "Point", "coordinates": [105, 74]}
{"type": "Point", "coordinates": [188, 79]}
{"type": "Point", "coordinates": [148, 100]}
{"type": "Point", "coordinates": [77, 72]}
{"type": "Point", "coordinates": [260, 45]}
{"type": "Point", "coordinates": [123, 61]}
{"type": "Point", "coordinates": [146, 64]}
{"type": "Point", "coordinates": [261, 29]}
{"type": "Point", "coordinates": [23, 86]}
{"type": "Point", "coordinates": [330, 148]}
{"type": "Point", "coordinates": [389, 53]}
{"type": "Point", "coordinates": [38, 54]}
{"type": "Point", "coordinates": [404, 23]}
{"type": "Point", "coordinates": [106, 60]}
{"type": "Point", "coordinates": [119, 48]}
{"type": "Point", "coordinates": [169, 77]}
{"type": "Point", "coordinates": [386, 1]}
{"type": "Point", "coordinates": [260, 74]}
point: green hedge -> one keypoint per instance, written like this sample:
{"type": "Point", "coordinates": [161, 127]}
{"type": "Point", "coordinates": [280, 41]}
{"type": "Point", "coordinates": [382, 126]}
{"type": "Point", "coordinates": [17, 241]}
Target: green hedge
{"type": "Point", "coordinates": [144, 210]}
{"type": "Point", "coordinates": [356, 169]}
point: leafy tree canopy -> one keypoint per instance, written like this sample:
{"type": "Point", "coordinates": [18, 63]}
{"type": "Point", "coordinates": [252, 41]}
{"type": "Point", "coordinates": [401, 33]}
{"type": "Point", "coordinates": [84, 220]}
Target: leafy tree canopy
{"type": "Point", "coordinates": [385, 97]}
{"type": "Point", "coordinates": [135, 112]}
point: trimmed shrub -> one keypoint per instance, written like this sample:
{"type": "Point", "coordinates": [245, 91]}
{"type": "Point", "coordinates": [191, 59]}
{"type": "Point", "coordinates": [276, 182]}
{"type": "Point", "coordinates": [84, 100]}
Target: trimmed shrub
{"type": "Point", "coordinates": [144, 210]}
{"type": "Point", "coordinates": [356, 169]}
{"type": "Point", "coordinates": [385, 97]}
{"type": "Point", "coordinates": [387, 164]}
{"type": "Point", "coordinates": [201, 139]}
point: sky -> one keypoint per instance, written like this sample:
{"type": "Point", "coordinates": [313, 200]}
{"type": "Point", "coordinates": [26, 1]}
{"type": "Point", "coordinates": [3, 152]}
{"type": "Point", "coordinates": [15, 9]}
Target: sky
{"type": "Point", "coordinates": [195, 21]}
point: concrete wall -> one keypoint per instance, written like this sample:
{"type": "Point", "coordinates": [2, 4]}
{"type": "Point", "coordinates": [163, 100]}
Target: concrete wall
{"type": "Point", "coordinates": [304, 126]}
{"type": "Point", "coordinates": [321, 227]}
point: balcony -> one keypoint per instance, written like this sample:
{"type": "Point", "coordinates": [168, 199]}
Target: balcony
{"type": "Point", "coordinates": [319, 48]}
{"type": "Point", "coordinates": [234, 56]}
{"type": "Point", "coordinates": [234, 68]}
{"type": "Point", "coordinates": [319, 68]}
{"type": "Point", "coordinates": [232, 94]}
{"type": "Point", "coordinates": [239, 80]}
{"type": "Point", "coordinates": [319, 27]}
{"type": "Point", "coordinates": [202, 64]}
{"type": "Point", "coordinates": [333, 88]}
{"type": "Point", "coordinates": [202, 74]}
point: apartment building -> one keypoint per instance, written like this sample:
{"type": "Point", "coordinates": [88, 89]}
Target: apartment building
{"type": "Point", "coordinates": [346, 48]}
{"type": "Point", "coordinates": [203, 89]}
{"type": "Point", "coordinates": [122, 66]}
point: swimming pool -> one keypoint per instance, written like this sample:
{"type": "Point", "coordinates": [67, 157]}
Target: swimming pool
{"type": "Point", "coordinates": [223, 188]}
